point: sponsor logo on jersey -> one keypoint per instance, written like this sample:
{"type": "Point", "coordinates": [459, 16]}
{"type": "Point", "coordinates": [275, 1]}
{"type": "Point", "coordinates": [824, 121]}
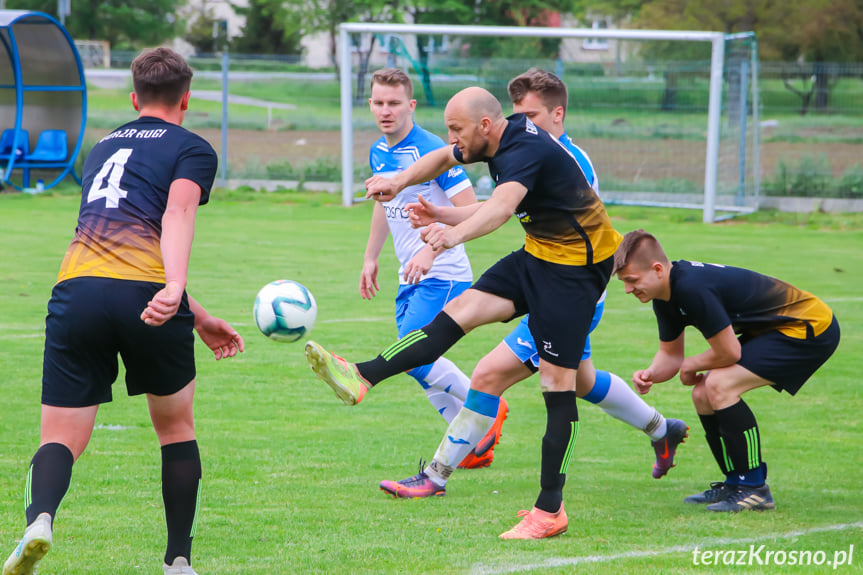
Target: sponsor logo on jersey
{"type": "Point", "coordinates": [395, 212]}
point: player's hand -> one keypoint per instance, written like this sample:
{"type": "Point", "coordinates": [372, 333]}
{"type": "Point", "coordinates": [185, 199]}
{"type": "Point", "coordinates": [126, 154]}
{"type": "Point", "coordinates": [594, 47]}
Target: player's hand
{"type": "Point", "coordinates": [380, 189]}
{"type": "Point", "coordinates": [689, 377]}
{"type": "Point", "coordinates": [643, 380]}
{"type": "Point", "coordinates": [419, 266]}
{"type": "Point", "coordinates": [220, 337]}
{"type": "Point", "coordinates": [439, 237]}
{"type": "Point", "coordinates": [164, 304]}
{"type": "Point", "coordinates": [369, 280]}
{"type": "Point", "coordinates": [421, 213]}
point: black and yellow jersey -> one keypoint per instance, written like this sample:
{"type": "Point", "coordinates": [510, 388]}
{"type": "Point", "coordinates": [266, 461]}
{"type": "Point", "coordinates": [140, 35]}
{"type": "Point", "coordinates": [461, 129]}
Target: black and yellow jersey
{"type": "Point", "coordinates": [563, 218]}
{"type": "Point", "coordinates": [126, 179]}
{"type": "Point", "coordinates": [711, 297]}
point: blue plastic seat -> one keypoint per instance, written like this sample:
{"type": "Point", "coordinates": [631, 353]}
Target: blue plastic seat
{"type": "Point", "coordinates": [50, 147]}
{"type": "Point", "coordinates": [21, 150]}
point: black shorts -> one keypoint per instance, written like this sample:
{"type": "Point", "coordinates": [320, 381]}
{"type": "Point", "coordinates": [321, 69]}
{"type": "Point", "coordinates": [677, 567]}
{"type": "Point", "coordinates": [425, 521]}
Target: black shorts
{"type": "Point", "coordinates": [91, 320]}
{"type": "Point", "coordinates": [560, 299]}
{"type": "Point", "coordinates": [787, 362]}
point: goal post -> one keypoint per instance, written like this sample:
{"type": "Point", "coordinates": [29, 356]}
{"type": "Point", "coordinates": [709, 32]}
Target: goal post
{"type": "Point", "coordinates": [739, 169]}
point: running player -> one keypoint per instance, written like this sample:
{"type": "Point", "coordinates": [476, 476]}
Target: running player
{"type": "Point", "coordinates": [542, 97]}
{"type": "Point", "coordinates": [428, 279]}
{"type": "Point", "coordinates": [121, 290]}
{"type": "Point", "coordinates": [567, 256]}
{"type": "Point", "coordinates": [761, 331]}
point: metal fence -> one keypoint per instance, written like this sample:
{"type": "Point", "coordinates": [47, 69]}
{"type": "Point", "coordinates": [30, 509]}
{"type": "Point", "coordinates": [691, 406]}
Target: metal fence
{"type": "Point", "coordinates": [284, 119]}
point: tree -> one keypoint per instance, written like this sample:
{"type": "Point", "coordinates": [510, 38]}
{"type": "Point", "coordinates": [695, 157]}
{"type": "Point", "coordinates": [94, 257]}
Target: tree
{"type": "Point", "coordinates": [199, 34]}
{"type": "Point", "coordinates": [326, 15]}
{"type": "Point", "coordinates": [517, 13]}
{"type": "Point", "coordinates": [122, 23]}
{"type": "Point", "coordinates": [434, 12]}
{"type": "Point", "coordinates": [270, 29]}
{"type": "Point", "coordinates": [816, 31]}
{"type": "Point", "coordinates": [822, 33]}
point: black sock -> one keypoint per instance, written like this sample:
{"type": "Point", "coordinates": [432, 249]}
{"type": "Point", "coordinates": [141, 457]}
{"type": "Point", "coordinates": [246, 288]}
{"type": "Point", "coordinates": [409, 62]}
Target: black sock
{"type": "Point", "coordinates": [561, 430]}
{"type": "Point", "coordinates": [714, 440]}
{"type": "Point", "coordinates": [181, 489]}
{"type": "Point", "coordinates": [419, 347]}
{"type": "Point", "coordinates": [48, 480]}
{"type": "Point", "coordinates": [739, 432]}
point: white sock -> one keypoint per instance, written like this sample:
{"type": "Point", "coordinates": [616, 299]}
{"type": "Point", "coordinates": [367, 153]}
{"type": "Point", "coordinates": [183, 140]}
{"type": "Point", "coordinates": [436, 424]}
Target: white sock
{"type": "Point", "coordinates": [621, 402]}
{"type": "Point", "coordinates": [447, 405]}
{"type": "Point", "coordinates": [446, 387]}
{"type": "Point", "coordinates": [462, 435]}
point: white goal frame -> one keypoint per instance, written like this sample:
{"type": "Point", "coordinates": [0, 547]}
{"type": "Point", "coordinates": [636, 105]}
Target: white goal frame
{"type": "Point", "coordinates": [717, 63]}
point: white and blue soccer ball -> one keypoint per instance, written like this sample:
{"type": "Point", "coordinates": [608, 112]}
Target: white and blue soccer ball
{"type": "Point", "coordinates": [285, 310]}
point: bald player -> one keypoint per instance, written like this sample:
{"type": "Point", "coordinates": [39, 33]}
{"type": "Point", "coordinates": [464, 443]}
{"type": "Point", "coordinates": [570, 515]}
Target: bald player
{"type": "Point", "coordinates": [567, 256]}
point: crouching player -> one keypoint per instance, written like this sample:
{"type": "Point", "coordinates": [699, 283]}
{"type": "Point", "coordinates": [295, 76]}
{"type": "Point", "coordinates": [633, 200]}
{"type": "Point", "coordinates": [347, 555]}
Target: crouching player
{"type": "Point", "coordinates": [761, 332]}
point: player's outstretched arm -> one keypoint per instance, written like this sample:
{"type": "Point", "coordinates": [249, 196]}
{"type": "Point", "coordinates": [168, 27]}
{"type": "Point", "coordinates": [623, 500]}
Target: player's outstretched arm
{"type": "Point", "coordinates": [665, 365]}
{"type": "Point", "coordinates": [216, 333]}
{"type": "Point", "coordinates": [427, 167]}
{"type": "Point", "coordinates": [424, 213]}
{"type": "Point", "coordinates": [178, 230]}
{"type": "Point", "coordinates": [490, 215]}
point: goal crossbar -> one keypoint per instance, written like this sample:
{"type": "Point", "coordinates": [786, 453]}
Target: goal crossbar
{"type": "Point", "coordinates": [717, 40]}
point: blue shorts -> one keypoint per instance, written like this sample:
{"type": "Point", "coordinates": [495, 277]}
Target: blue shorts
{"type": "Point", "coordinates": [92, 320]}
{"type": "Point", "coordinates": [417, 305]}
{"type": "Point", "coordinates": [520, 342]}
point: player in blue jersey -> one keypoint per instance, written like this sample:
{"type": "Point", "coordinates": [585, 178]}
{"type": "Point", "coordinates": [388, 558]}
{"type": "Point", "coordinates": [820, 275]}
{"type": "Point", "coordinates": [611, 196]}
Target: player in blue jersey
{"type": "Point", "coordinates": [121, 291]}
{"type": "Point", "coordinates": [760, 331]}
{"type": "Point", "coordinates": [428, 279]}
{"type": "Point", "coordinates": [567, 256]}
{"type": "Point", "coordinates": [542, 97]}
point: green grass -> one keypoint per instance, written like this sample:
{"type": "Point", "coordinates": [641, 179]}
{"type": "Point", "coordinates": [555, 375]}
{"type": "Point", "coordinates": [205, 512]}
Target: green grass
{"type": "Point", "coordinates": [290, 475]}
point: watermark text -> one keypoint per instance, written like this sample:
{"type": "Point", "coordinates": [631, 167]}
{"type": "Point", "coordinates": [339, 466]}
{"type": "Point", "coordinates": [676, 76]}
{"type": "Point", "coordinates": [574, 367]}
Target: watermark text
{"type": "Point", "coordinates": [762, 555]}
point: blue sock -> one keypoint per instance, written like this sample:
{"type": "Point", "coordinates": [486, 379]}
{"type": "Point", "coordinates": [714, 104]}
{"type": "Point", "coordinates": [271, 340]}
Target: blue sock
{"type": "Point", "coordinates": [601, 385]}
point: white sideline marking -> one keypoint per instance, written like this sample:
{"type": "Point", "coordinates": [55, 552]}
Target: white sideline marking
{"type": "Point", "coordinates": [842, 299]}
{"type": "Point", "coordinates": [22, 335]}
{"type": "Point", "coordinates": [479, 569]}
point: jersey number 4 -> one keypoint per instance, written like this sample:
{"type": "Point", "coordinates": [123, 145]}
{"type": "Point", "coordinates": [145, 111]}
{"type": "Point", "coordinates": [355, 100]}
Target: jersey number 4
{"type": "Point", "coordinates": [112, 171]}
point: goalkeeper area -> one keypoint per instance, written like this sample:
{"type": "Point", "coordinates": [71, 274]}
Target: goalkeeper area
{"type": "Point", "coordinates": [668, 118]}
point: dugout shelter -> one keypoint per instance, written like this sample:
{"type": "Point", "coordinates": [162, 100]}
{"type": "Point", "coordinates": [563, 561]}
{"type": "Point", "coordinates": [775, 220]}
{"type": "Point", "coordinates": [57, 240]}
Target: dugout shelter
{"type": "Point", "coordinates": [43, 99]}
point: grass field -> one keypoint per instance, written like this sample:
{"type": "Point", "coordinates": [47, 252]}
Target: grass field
{"type": "Point", "coordinates": [290, 475]}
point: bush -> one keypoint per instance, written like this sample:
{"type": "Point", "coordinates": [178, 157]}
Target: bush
{"type": "Point", "coordinates": [813, 178]}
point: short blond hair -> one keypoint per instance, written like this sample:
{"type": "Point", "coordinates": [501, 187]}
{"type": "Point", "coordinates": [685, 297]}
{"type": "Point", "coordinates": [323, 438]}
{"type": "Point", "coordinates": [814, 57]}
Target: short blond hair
{"type": "Point", "coordinates": [640, 248]}
{"type": "Point", "coordinates": [393, 77]}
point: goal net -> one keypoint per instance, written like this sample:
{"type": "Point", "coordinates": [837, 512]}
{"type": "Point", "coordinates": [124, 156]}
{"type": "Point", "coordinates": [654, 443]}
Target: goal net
{"type": "Point", "coordinates": [668, 118]}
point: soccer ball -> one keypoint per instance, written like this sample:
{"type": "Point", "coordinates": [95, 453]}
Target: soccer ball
{"type": "Point", "coordinates": [285, 310]}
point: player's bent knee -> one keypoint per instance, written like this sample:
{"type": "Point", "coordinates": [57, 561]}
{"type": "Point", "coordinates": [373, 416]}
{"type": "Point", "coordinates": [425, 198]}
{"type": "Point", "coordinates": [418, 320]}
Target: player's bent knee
{"type": "Point", "coordinates": [700, 398]}
{"type": "Point", "coordinates": [719, 389]}
{"type": "Point", "coordinates": [485, 379]}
